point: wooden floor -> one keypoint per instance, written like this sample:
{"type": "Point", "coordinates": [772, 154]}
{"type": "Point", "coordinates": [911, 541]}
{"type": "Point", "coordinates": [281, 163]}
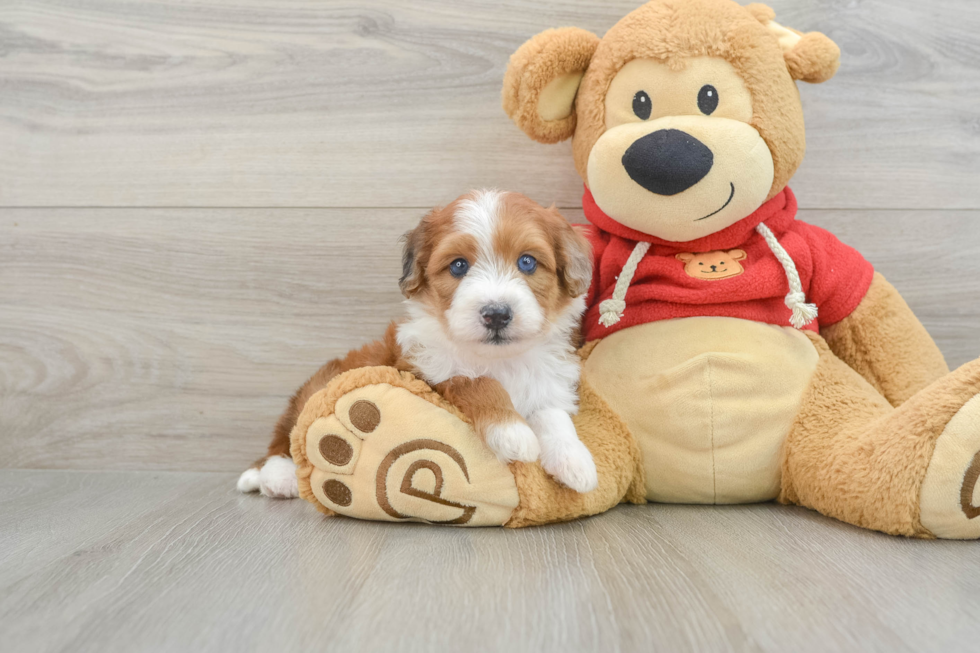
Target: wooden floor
{"type": "Point", "coordinates": [169, 561]}
{"type": "Point", "coordinates": [200, 202]}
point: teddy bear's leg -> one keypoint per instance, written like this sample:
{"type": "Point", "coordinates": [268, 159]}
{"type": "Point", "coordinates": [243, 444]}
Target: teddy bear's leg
{"type": "Point", "coordinates": [910, 470]}
{"type": "Point", "coordinates": [618, 462]}
{"type": "Point", "coordinates": [379, 444]}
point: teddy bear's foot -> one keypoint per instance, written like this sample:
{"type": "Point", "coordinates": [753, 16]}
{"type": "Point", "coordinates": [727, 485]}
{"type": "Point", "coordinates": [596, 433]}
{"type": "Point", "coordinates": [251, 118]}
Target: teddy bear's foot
{"type": "Point", "coordinates": [910, 470]}
{"type": "Point", "coordinates": [949, 502]}
{"type": "Point", "coordinates": [378, 444]}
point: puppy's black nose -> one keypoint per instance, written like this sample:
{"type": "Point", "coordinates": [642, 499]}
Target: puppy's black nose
{"type": "Point", "coordinates": [667, 161]}
{"type": "Point", "coordinates": [496, 316]}
{"type": "Point", "coordinates": [714, 268]}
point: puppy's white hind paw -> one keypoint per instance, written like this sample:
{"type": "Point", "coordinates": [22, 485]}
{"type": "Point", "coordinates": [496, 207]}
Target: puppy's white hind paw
{"type": "Point", "coordinates": [513, 441]}
{"type": "Point", "coordinates": [249, 480]}
{"type": "Point", "coordinates": [276, 478]}
{"type": "Point", "coordinates": [571, 463]}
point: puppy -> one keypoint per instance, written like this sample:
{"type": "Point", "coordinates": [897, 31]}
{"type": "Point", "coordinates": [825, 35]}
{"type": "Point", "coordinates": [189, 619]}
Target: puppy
{"type": "Point", "coordinates": [495, 288]}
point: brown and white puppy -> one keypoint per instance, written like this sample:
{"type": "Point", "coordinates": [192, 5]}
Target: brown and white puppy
{"type": "Point", "coordinates": [495, 288]}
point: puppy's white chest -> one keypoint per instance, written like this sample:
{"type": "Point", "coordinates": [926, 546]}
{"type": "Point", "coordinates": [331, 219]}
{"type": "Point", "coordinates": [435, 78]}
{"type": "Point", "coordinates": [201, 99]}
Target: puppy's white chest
{"type": "Point", "coordinates": [540, 387]}
{"type": "Point", "coordinates": [523, 402]}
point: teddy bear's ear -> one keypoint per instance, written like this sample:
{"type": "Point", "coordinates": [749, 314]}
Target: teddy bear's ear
{"type": "Point", "coordinates": [687, 257]}
{"type": "Point", "coordinates": [810, 57]}
{"type": "Point", "coordinates": [542, 80]}
{"type": "Point", "coordinates": [737, 254]}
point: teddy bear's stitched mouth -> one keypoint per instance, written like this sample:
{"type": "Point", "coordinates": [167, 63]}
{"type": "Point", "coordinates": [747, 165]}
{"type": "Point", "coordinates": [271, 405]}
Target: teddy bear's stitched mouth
{"type": "Point", "coordinates": [729, 201]}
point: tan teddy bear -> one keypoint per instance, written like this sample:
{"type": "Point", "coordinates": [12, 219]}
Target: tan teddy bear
{"type": "Point", "coordinates": [791, 371]}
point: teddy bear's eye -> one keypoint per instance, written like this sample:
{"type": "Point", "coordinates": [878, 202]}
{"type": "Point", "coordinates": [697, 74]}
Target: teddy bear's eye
{"type": "Point", "coordinates": [700, 263]}
{"type": "Point", "coordinates": [707, 99]}
{"type": "Point", "coordinates": [642, 105]}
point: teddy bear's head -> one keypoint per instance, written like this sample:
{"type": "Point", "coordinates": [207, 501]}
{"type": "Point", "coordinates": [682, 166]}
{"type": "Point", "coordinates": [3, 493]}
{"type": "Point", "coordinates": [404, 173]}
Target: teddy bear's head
{"type": "Point", "coordinates": [685, 116]}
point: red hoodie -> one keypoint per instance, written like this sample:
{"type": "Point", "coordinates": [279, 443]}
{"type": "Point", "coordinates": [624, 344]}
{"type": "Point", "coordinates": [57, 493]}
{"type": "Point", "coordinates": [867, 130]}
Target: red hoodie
{"type": "Point", "coordinates": [834, 276]}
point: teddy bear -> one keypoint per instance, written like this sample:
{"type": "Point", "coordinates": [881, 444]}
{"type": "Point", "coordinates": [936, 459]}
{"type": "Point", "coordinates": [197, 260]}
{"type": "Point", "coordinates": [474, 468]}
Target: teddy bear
{"type": "Point", "coordinates": [733, 353]}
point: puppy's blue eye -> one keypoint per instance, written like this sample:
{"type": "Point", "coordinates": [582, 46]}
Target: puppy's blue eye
{"type": "Point", "coordinates": [459, 267]}
{"type": "Point", "coordinates": [527, 264]}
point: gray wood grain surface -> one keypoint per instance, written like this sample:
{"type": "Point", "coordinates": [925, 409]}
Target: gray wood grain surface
{"type": "Point", "coordinates": [389, 103]}
{"type": "Point", "coordinates": [175, 562]}
{"type": "Point", "coordinates": [172, 337]}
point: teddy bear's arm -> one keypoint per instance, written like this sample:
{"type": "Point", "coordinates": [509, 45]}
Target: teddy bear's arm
{"type": "Point", "coordinates": [885, 342]}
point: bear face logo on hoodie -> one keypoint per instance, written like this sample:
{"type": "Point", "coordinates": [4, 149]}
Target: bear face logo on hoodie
{"type": "Point", "coordinates": [712, 266]}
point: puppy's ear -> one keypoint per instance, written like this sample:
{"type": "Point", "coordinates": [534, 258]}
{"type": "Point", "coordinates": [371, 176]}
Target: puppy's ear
{"type": "Point", "coordinates": [413, 272]}
{"type": "Point", "coordinates": [687, 257]}
{"type": "Point", "coordinates": [810, 57]}
{"type": "Point", "coordinates": [573, 256]}
{"type": "Point", "coordinates": [737, 254]}
{"type": "Point", "coordinates": [542, 80]}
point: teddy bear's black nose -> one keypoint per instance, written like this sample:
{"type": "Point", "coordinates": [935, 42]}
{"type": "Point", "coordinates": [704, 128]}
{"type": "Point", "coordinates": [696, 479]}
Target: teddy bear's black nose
{"type": "Point", "coordinates": [668, 161]}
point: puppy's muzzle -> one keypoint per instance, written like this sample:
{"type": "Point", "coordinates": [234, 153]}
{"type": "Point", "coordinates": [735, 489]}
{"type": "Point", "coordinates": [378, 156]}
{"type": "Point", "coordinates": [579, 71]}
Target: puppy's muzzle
{"type": "Point", "coordinates": [667, 161]}
{"type": "Point", "coordinates": [496, 317]}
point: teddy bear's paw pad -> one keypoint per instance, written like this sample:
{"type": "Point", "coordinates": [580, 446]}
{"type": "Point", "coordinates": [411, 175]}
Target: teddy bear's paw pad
{"type": "Point", "coordinates": [949, 501]}
{"type": "Point", "coordinates": [332, 446]}
{"type": "Point", "coordinates": [388, 454]}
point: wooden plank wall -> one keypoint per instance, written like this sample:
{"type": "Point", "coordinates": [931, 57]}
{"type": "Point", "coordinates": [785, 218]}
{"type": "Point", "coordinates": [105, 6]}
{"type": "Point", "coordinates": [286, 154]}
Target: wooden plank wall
{"type": "Point", "coordinates": [200, 200]}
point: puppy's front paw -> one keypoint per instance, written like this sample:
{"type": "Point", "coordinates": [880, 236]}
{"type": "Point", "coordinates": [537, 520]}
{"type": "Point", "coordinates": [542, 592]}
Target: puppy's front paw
{"type": "Point", "coordinates": [571, 463]}
{"type": "Point", "coordinates": [513, 441]}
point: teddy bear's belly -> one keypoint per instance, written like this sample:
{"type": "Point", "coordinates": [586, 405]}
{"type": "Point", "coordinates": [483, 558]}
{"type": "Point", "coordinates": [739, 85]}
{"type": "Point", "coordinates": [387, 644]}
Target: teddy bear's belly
{"type": "Point", "coordinates": [710, 401]}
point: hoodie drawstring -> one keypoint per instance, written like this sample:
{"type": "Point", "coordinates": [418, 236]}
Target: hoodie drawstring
{"type": "Point", "coordinates": [611, 310]}
{"type": "Point", "coordinates": [803, 313]}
